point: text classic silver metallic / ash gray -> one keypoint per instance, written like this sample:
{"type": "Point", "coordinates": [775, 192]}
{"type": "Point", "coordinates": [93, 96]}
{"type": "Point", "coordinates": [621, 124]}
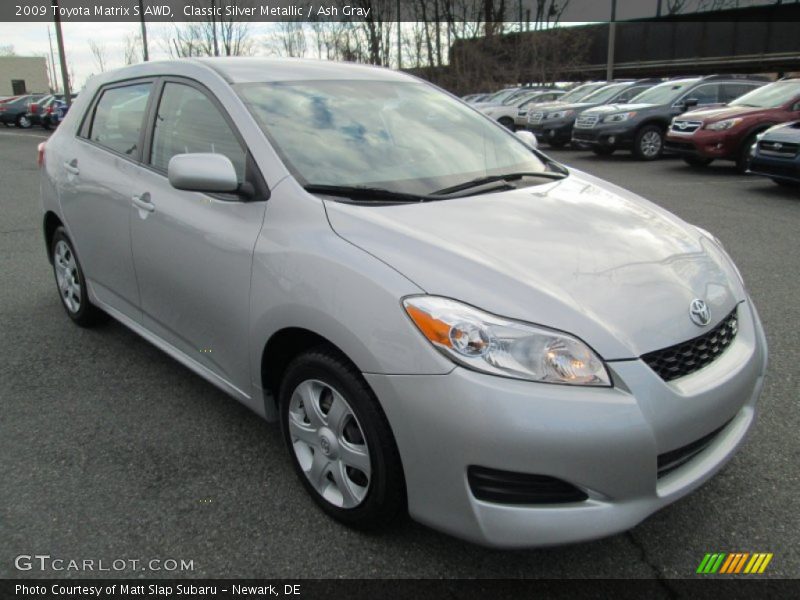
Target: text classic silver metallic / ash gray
{"type": "Point", "coordinates": [443, 319]}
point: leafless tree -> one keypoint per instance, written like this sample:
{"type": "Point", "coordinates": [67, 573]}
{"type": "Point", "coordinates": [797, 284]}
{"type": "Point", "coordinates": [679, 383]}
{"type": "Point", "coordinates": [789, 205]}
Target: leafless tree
{"type": "Point", "coordinates": [99, 54]}
{"type": "Point", "coordinates": [7, 50]}
{"type": "Point", "coordinates": [132, 50]}
{"type": "Point", "coordinates": [225, 36]}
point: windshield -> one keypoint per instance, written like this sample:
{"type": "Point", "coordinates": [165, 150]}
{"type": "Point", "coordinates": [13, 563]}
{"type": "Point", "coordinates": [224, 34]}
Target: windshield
{"type": "Point", "coordinates": [580, 92]}
{"type": "Point", "coordinates": [401, 136]}
{"type": "Point", "coordinates": [500, 97]}
{"type": "Point", "coordinates": [604, 94]}
{"type": "Point", "coordinates": [770, 96]}
{"type": "Point", "coordinates": [664, 93]}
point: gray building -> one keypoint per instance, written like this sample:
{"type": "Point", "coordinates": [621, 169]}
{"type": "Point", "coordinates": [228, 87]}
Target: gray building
{"type": "Point", "coordinates": [23, 75]}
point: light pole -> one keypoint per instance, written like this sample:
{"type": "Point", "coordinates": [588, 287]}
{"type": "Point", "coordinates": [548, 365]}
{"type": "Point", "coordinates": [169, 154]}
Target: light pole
{"type": "Point", "coordinates": [612, 35]}
{"type": "Point", "coordinates": [399, 40]}
{"type": "Point", "coordinates": [61, 54]}
{"type": "Point", "coordinates": [144, 32]}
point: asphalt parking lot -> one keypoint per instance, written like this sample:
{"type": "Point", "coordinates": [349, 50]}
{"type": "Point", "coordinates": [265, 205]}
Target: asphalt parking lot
{"type": "Point", "coordinates": [111, 450]}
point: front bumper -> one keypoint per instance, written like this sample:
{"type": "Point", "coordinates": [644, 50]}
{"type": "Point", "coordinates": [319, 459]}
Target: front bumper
{"type": "Point", "coordinates": [784, 169]}
{"type": "Point", "coordinates": [702, 144]}
{"type": "Point", "coordinates": [558, 131]}
{"type": "Point", "coordinates": [605, 441]}
{"type": "Point", "coordinates": [606, 137]}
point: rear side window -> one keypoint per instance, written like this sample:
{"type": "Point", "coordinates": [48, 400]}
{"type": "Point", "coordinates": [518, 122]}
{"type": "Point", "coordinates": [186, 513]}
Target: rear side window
{"type": "Point", "coordinates": [731, 91]}
{"type": "Point", "coordinates": [118, 118]}
{"type": "Point", "coordinates": [188, 123]}
{"type": "Point", "coordinates": [705, 94]}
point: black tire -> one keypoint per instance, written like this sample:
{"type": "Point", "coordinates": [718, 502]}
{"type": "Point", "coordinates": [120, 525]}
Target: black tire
{"type": "Point", "coordinates": [506, 122]}
{"type": "Point", "coordinates": [743, 155]}
{"type": "Point", "coordinates": [641, 145]}
{"type": "Point", "coordinates": [557, 144]}
{"type": "Point", "coordinates": [87, 314]}
{"type": "Point", "coordinates": [23, 122]}
{"type": "Point", "coordinates": [603, 150]}
{"type": "Point", "coordinates": [46, 124]}
{"type": "Point", "coordinates": [697, 161]}
{"type": "Point", "coordinates": [385, 499]}
{"type": "Point", "coordinates": [787, 184]}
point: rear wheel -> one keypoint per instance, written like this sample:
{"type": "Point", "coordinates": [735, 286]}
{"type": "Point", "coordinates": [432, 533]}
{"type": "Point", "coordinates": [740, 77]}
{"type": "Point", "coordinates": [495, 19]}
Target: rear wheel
{"type": "Point", "coordinates": [603, 150]}
{"type": "Point", "coordinates": [649, 143]}
{"type": "Point", "coordinates": [506, 122]}
{"type": "Point", "coordinates": [697, 161]}
{"type": "Point", "coordinates": [340, 442]}
{"type": "Point", "coordinates": [23, 122]}
{"type": "Point", "coordinates": [71, 282]}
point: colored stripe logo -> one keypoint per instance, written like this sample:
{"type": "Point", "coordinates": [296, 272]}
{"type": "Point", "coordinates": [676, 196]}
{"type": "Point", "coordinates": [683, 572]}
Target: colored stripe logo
{"type": "Point", "coordinates": [734, 563]}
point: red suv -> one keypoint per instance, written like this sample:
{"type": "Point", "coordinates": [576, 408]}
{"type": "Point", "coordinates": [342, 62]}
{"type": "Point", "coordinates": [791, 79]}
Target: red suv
{"type": "Point", "coordinates": [728, 132]}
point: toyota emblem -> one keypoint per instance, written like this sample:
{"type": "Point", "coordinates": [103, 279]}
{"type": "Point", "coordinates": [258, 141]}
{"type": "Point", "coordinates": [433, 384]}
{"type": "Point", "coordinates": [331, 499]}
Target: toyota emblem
{"type": "Point", "coordinates": [699, 313]}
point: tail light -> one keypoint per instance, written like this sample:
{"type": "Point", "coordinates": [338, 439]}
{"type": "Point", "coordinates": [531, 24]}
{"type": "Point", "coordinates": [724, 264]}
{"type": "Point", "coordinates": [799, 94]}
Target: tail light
{"type": "Point", "coordinates": [33, 108]}
{"type": "Point", "coordinates": [50, 110]}
{"type": "Point", "coordinates": [40, 155]}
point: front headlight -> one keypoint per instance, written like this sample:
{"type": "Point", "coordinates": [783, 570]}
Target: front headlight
{"type": "Point", "coordinates": [560, 114]}
{"type": "Point", "coordinates": [491, 344]}
{"type": "Point", "coordinates": [723, 125]}
{"type": "Point", "coordinates": [619, 117]}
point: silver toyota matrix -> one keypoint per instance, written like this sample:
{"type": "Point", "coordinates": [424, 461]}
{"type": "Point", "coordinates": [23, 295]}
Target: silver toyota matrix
{"type": "Point", "coordinates": [444, 320]}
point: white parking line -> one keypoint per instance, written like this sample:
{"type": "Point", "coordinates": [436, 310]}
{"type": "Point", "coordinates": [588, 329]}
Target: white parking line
{"type": "Point", "coordinates": [27, 135]}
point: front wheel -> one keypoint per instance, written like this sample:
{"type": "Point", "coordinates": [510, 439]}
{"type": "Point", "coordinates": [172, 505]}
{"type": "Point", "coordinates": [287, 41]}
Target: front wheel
{"type": "Point", "coordinates": [649, 143]}
{"type": "Point", "coordinates": [340, 442]}
{"type": "Point", "coordinates": [71, 282]}
{"type": "Point", "coordinates": [743, 157]}
{"type": "Point", "coordinates": [24, 122]}
{"type": "Point", "coordinates": [697, 161]}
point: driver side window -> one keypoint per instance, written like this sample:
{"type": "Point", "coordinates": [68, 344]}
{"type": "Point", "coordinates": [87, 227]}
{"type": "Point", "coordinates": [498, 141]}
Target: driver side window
{"type": "Point", "coordinates": [705, 94]}
{"type": "Point", "coordinates": [189, 123]}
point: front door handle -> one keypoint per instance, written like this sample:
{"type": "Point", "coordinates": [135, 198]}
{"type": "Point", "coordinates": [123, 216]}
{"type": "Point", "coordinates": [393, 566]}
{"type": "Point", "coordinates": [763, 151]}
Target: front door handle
{"type": "Point", "coordinates": [143, 202]}
{"type": "Point", "coordinates": [71, 167]}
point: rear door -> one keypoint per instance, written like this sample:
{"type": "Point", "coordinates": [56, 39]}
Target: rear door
{"type": "Point", "coordinates": [193, 252]}
{"type": "Point", "coordinates": [96, 190]}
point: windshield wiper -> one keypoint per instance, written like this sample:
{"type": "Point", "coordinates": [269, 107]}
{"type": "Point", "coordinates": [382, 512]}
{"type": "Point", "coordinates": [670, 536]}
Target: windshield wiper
{"type": "Point", "coordinates": [482, 181]}
{"type": "Point", "coordinates": [363, 192]}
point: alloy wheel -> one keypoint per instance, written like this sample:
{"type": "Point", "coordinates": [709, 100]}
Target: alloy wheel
{"type": "Point", "coordinates": [650, 144]}
{"type": "Point", "coordinates": [25, 122]}
{"type": "Point", "coordinates": [67, 276]}
{"type": "Point", "coordinates": [329, 444]}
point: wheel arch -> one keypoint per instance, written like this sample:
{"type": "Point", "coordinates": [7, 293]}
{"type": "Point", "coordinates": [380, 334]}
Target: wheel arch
{"type": "Point", "coordinates": [50, 223]}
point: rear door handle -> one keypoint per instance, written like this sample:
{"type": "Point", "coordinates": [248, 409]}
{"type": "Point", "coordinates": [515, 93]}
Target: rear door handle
{"type": "Point", "coordinates": [143, 202]}
{"type": "Point", "coordinates": [71, 167]}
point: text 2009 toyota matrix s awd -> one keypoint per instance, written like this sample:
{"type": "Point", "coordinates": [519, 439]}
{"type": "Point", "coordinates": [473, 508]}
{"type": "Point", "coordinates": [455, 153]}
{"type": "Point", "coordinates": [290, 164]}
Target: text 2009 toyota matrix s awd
{"type": "Point", "coordinates": [442, 318]}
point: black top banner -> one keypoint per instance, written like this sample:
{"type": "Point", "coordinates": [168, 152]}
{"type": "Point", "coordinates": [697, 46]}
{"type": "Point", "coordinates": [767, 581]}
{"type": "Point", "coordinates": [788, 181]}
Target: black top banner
{"type": "Point", "coordinates": [538, 11]}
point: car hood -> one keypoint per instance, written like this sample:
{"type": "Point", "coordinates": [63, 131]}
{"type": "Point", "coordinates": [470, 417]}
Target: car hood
{"type": "Point", "coordinates": [578, 255]}
{"type": "Point", "coordinates": [785, 132]}
{"type": "Point", "coordinates": [613, 108]}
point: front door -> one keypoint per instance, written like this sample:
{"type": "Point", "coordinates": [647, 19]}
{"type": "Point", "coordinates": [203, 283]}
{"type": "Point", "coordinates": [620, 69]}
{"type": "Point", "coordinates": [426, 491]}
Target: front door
{"type": "Point", "coordinates": [193, 252]}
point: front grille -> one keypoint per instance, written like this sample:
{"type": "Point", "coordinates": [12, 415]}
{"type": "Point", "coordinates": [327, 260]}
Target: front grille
{"type": "Point", "coordinates": [536, 117]}
{"type": "Point", "coordinates": [669, 461]}
{"type": "Point", "coordinates": [581, 135]}
{"type": "Point", "coordinates": [508, 487]}
{"type": "Point", "coordinates": [586, 121]}
{"type": "Point", "coordinates": [675, 145]}
{"type": "Point", "coordinates": [690, 356]}
{"type": "Point", "coordinates": [782, 149]}
{"type": "Point", "coordinates": [684, 126]}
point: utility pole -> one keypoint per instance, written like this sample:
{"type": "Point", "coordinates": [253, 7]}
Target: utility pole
{"type": "Point", "coordinates": [61, 54]}
{"type": "Point", "coordinates": [612, 35]}
{"type": "Point", "coordinates": [52, 69]}
{"type": "Point", "coordinates": [658, 9]}
{"type": "Point", "coordinates": [144, 32]}
{"type": "Point", "coordinates": [399, 39]}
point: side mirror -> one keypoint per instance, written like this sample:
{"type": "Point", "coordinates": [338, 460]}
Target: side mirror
{"type": "Point", "coordinates": [528, 137]}
{"type": "Point", "coordinates": [689, 103]}
{"type": "Point", "coordinates": [211, 173]}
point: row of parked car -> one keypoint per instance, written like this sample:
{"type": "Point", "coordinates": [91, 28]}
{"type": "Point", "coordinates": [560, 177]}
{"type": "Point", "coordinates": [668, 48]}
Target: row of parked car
{"type": "Point", "coordinates": [46, 110]}
{"type": "Point", "coordinates": [745, 119]}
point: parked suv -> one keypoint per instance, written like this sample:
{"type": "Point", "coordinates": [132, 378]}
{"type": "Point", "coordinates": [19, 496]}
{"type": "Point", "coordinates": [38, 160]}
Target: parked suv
{"type": "Point", "coordinates": [641, 125]}
{"type": "Point", "coordinates": [576, 94]}
{"type": "Point", "coordinates": [508, 112]}
{"type": "Point", "coordinates": [405, 286]}
{"type": "Point", "coordinates": [555, 125]}
{"type": "Point", "coordinates": [776, 154]}
{"type": "Point", "coordinates": [729, 132]}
